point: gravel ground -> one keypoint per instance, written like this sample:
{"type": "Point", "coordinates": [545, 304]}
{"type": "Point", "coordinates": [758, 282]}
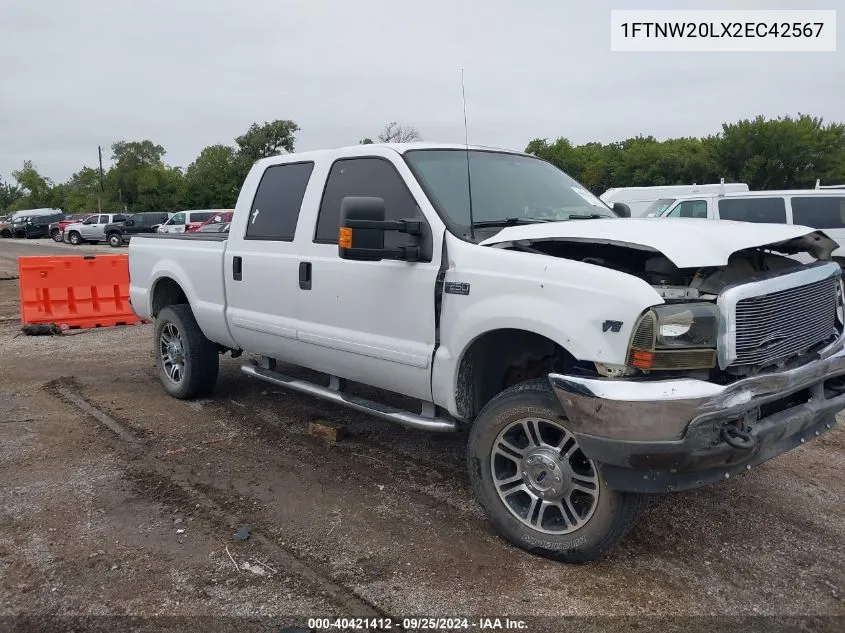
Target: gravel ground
{"type": "Point", "coordinates": [382, 524]}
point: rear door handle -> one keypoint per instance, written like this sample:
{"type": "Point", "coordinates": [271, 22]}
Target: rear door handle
{"type": "Point", "coordinates": [305, 275]}
{"type": "Point", "coordinates": [237, 268]}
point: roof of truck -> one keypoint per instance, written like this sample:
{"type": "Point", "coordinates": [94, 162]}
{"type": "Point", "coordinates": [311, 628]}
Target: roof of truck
{"type": "Point", "coordinates": [362, 149]}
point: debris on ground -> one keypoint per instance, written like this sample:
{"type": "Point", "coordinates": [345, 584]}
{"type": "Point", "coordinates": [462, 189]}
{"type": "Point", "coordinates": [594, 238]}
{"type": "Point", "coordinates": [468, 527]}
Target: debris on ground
{"type": "Point", "coordinates": [41, 329]}
{"type": "Point", "coordinates": [255, 569]}
{"type": "Point", "coordinates": [328, 431]}
{"type": "Point", "coordinates": [243, 533]}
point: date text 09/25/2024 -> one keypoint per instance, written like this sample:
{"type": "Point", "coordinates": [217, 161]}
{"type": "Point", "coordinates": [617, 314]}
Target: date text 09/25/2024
{"type": "Point", "coordinates": [416, 624]}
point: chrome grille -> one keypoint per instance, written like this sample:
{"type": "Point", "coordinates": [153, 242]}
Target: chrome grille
{"type": "Point", "coordinates": [775, 326]}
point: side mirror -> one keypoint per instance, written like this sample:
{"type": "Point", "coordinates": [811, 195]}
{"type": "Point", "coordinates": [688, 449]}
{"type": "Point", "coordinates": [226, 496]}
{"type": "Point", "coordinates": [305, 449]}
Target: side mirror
{"type": "Point", "coordinates": [154, 227]}
{"type": "Point", "coordinates": [362, 229]}
{"type": "Point", "coordinates": [129, 223]}
{"type": "Point", "coordinates": [622, 210]}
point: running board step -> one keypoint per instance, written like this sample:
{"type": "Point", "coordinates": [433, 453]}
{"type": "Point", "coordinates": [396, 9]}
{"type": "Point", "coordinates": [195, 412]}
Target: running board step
{"type": "Point", "coordinates": [405, 418]}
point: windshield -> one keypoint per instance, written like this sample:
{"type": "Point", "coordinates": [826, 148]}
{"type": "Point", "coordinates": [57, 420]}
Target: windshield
{"type": "Point", "coordinates": [658, 207]}
{"type": "Point", "coordinates": [506, 188]}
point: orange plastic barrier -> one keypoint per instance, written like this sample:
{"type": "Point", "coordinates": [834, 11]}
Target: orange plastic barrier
{"type": "Point", "coordinates": [75, 291]}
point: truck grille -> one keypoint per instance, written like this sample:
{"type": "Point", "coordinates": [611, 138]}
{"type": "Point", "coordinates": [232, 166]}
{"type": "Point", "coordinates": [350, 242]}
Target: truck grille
{"type": "Point", "coordinates": [775, 326]}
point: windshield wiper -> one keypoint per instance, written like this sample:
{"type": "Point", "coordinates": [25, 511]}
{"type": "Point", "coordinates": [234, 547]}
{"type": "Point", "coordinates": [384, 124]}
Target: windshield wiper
{"type": "Point", "coordinates": [508, 222]}
{"type": "Point", "coordinates": [587, 216]}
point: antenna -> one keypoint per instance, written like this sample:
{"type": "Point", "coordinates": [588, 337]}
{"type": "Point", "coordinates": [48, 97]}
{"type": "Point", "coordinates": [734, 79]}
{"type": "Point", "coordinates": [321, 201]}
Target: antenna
{"type": "Point", "coordinates": [466, 144]}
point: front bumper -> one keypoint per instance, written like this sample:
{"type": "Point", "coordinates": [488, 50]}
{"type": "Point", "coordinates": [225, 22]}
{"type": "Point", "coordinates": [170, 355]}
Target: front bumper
{"type": "Point", "coordinates": [659, 436]}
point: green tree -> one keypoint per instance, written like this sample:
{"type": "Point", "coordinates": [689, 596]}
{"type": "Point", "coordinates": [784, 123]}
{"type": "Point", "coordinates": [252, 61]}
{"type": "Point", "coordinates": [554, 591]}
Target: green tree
{"type": "Point", "coordinates": [8, 194]}
{"type": "Point", "coordinates": [365, 141]}
{"type": "Point", "coordinates": [267, 139]}
{"type": "Point", "coordinates": [35, 188]}
{"type": "Point", "coordinates": [137, 175]}
{"type": "Point", "coordinates": [82, 193]}
{"type": "Point", "coordinates": [212, 180]}
{"type": "Point", "coordinates": [782, 153]}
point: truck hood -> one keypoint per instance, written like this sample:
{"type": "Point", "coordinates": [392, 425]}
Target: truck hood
{"type": "Point", "coordinates": [686, 242]}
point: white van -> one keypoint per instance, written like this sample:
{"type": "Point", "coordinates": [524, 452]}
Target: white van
{"type": "Point", "coordinates": [817, 208]}
{"type": "Point", "coordinates": [32, 213]}
{"type": "Point", "coordinates": [642, 200]}
{"type": "Point", "coordinates": [186, 221]}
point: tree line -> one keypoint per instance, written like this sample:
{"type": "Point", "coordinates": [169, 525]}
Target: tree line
{"type": "Point", "coordinates": [781, 153]}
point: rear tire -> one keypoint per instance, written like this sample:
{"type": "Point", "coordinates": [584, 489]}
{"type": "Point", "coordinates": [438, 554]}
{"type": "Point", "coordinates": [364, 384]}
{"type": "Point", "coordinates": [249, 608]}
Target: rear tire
{"type": "Point", "coordinates": [74, 238]}
{"type": "Point", "coordinates": [115, 241]}
{"type": "Point", "coordinates": [542, 493]}
{"type": "Point", "coordinates": [187, 361]}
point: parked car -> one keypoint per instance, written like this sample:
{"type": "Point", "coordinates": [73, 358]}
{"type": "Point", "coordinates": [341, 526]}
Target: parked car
{"type": "Point", "coordinates": [15, 221]}
{"type": "Point", "coordinates": [57, 229]}
{"type": "Point", "coordinates": [184, 221]}
{"type": "Point", "coordinates": [224, 217]}
{"type": "Point", "coordinates": [215, 227]}
{"type": "Point", "coordinates": [592, 358]}
{"type": "Point", "coordinates": [6, 228]}
{"type": "Point", "coordinates": [92, 229]}
{"type": "Point", "coordinates": [120, 233]}
{"type": "Point", "coordinates": [37, 226]}
{"type": "Point", "coordinates": [642, 200]}
{"type": "Point", "coordinates": [817, 208]}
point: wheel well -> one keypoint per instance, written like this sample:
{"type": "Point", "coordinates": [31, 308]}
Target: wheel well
{"type": "Point", "coordinates": [167, 292]}
{"type": "Point", "coordinates": [499, 359]}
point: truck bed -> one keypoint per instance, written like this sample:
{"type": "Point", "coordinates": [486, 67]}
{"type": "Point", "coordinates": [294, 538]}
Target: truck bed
{"type": "Point", "coordinates": [197, 261]}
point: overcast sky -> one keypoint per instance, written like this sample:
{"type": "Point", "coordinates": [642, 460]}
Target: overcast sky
{"type": "Point", "coordinates": [191, 73]}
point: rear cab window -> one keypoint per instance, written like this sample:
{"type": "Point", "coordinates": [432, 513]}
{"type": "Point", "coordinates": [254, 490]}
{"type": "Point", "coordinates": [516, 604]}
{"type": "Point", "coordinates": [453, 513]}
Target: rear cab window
{"type": "Point", "coordinates": [819, 212]}
{"type": "Point", "coordinates": [277, 203]}
{"type": "Point", "coordinates": [760, 210]}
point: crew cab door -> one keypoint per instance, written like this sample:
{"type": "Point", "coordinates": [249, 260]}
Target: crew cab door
{"type": "Point", "coordinates": [261, 262]}
{"type": "Point", "coordinates": [94, 227]}
{"type": "Point", "coordinates": [370, 321]}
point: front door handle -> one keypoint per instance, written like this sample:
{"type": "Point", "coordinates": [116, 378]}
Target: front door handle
{"type": "Point", "coordinates": [305, 275]}
{"type": "Point", "coordinates": [237, 268]}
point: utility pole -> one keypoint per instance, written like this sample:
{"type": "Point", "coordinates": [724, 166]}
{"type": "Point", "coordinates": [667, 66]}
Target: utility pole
{"type": "Point", "coordinates": [102, 189]}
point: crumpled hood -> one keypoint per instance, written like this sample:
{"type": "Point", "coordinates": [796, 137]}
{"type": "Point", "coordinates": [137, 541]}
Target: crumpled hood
{"type": "Point", "coordinates": [687, 242]}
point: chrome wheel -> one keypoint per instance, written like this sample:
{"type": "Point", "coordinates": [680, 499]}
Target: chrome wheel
{"type": "Point", "coordinates": [172, 353]}
{"type": "Point", "coordinates": [543, 477]}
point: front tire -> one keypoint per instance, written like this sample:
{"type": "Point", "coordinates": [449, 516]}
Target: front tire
{"type": "Point", "coordinates": [57, 236]}
{"type": "Point", "coordinates": [536, 486]}
{"type": "Point", "coordinates": [74, 238]}
{"type": "Point", "coordinates": [187, 361]}
{"type": "Point", "coordinates": [115, 241]}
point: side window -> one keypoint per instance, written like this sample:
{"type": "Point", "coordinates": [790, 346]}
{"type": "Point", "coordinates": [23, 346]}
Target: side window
{"type": "Point", "coordinates": [374, 177]}
{"type": "Point", "coordinates": [104, 219]}
{"type": "Point", "coordinates": [765, 210]}
{"type": "Point", "coordinates": [178, 219]}
{"type": "Point", "coordinates": [690, 209]}
{"type": "Point", "coordinates": [819, 212]}
{"type": "Point", "coordinates": [119, 218]}
{"type": "Point", "coordinates": [275, 209]}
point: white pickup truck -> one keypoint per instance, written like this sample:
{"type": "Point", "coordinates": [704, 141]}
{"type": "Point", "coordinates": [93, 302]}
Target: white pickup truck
{"type": "Point", "coordinates": [592, 358]}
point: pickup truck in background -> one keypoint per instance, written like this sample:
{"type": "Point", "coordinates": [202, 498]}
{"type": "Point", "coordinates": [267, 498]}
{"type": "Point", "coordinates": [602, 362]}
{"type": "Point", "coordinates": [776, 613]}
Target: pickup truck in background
{"type": "Point", "coordinates": [592, 358]}
{"type": "Point", "coordinates": [119, 233]}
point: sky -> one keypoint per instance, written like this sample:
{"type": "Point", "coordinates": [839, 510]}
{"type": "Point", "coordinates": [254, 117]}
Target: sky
{"type": "Point", "coordinates": [191, 73]}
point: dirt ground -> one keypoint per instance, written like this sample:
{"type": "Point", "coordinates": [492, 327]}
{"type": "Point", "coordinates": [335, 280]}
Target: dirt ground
{"type": "Point", "coordinates": [117, 500]}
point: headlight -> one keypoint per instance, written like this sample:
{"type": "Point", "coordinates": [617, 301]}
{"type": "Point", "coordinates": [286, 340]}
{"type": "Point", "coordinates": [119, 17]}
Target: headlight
{"type": "Point", "coordinates": [678, 336]}
{"type": "Point", "coordinates": [687, 325]}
